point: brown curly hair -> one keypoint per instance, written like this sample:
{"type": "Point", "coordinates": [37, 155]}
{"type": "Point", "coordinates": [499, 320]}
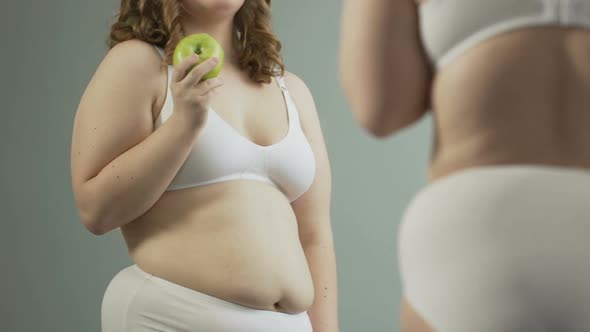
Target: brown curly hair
{"type": "Point", "coordinates": [158, 22]}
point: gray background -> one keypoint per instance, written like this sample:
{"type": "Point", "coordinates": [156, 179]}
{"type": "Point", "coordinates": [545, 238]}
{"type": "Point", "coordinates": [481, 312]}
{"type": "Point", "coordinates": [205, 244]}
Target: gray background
{"type": "Point", "coordinates": [54, 272]}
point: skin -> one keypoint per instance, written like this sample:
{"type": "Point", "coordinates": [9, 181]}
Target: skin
{"type": "Point", "coordinates": [240, 241]}
{"type": "Point", "coordinates": [479, 119]}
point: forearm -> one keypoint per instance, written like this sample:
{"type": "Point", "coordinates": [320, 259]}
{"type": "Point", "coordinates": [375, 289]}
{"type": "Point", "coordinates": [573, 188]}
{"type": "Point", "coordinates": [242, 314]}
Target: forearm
{"type": "Point", "coordinates": [131, 184]}
{"type": "Point", "coordinates": [322, 263]}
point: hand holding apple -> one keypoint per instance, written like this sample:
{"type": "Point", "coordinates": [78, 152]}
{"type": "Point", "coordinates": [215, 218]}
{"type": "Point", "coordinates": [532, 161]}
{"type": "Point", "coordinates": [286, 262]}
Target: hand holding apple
{"type": "Point", "coordinates": [190, 93]}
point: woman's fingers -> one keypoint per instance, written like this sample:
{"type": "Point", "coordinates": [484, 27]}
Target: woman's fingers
{"type": "Point", "coordinates": [181, 70]}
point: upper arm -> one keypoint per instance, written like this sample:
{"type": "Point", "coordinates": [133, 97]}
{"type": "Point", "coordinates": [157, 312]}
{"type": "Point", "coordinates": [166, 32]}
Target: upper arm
{"type": "Point", "coordinates": [115, 111]}
{"type": "Point", "coordinates": [312, 209]}
{"type": "Point", "coordinates": [383, 67]}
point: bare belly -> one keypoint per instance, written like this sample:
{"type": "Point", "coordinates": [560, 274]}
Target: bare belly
{"type": "Point", "coordinates": [237, 241]}
{"type": "Point", "coordinates": [519, 98]}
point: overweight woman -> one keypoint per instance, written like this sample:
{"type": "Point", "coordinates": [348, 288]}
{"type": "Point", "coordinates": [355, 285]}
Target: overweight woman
{"type": "Point", "coordinates": [498, 239]}
{"type": "Point", "coordinates": [220, 187]}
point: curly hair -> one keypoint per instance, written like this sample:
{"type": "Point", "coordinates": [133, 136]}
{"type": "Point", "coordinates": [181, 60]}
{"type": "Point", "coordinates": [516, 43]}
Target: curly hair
{"type": "Point", "coordinates": [159, 22]}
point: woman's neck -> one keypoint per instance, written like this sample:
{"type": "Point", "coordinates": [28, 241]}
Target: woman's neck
{"type": "Point", "coordinates": [221, 30]}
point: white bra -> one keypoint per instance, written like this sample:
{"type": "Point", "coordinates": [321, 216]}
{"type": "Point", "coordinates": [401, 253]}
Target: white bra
{"type": "Point", "coordinates": [221, 153]}
{"type": "Point", "coordinates": [451, 27]}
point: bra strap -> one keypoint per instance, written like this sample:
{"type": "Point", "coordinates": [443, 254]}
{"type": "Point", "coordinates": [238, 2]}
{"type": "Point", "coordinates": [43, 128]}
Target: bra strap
{"type": "Point", "coordinates": [161, 51]}
{"type": "Point", "coordinates": [281, 83]}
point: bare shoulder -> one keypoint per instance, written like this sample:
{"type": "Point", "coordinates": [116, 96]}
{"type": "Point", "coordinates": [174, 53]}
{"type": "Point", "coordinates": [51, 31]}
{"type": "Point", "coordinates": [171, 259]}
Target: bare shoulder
{"type": "Point", "coordinates": [134, 55]}
{"type": "Point", "coordinates": [135, 69]}
{"type": "Point", "coordinates": [294, 82]}
{"type": "Point", "coordinates": [300, 92]}
{"type": "Point", "coordinates": [131, 72]}
{"type": "Point", "coordinates": [308, 114]}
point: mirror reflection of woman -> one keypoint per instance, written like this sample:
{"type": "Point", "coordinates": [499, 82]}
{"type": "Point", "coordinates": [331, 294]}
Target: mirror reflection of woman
{"type": "Point", "coordinates": [220, 187]}
{"type": "Point", "coordinates": [498, 240]}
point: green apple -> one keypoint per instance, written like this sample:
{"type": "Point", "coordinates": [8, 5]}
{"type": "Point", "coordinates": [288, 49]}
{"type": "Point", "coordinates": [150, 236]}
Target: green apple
{"type": "Point", "coordinates": [205, 46]}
